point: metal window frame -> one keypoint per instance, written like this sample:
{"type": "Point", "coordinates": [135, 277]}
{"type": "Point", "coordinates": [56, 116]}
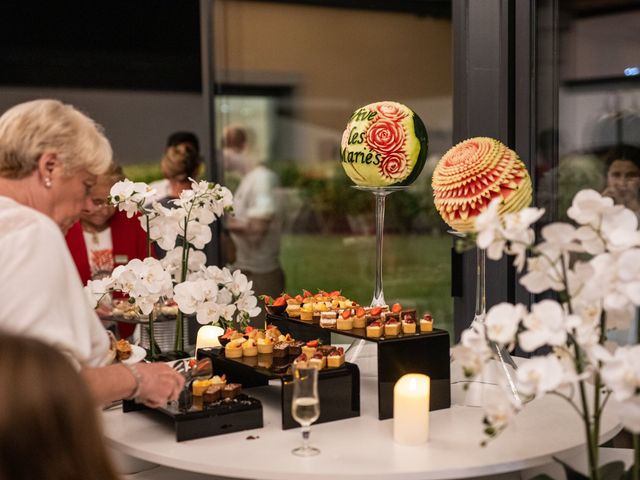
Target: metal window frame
{"type": "Point", "coordinates": [494, 96]}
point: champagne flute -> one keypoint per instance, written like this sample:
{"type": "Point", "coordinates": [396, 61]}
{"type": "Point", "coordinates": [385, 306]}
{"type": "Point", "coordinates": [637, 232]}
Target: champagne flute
{"type": "Point", "coordinates": [305, 406]}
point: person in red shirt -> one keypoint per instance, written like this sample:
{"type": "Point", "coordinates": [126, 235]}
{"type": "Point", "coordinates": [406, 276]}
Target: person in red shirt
{"type": "Point", "coordinates": [105, 238]}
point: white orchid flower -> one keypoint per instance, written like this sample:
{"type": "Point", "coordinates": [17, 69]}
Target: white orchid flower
{"type": "Point", "coordinates": [629, 414]}
{"type": "Point", "coordinates": [621, 373]}
{"type": "Point", "coordinates": [502, 322]}
{"type": "Point", "coordinates": [95, 290]}
{"type": "Point", "coordinates": [198, 234]}
{"type": "Point", "coordinates": [588, 206]}
{"type": "Point", "coordinates": [539, 375]}
{"type": "Point", "coordinates": [620, 229]}
{"type": "Point", "coordinates": [488, 227]}
{"type": "Point", "coordinates": [499, 408]}
{"type": "Point", "coordinates": [545, 325]}
{"type": "Point", "coordinates": [211, 312]}
{"type": "Point", "coordinates": [221, 276]}
{"type": "Point", "coordinates": [129, 196]}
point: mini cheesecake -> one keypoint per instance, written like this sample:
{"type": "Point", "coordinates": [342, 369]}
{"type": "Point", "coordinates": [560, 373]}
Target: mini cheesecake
{"type": "Point", "coordinates": [306, 312]}
{"type": "Point", "coordinates": [426, 323]}
{"type": "Point", "coordinates": [265, 345]}
{"type": "Point", "coordinates": [345, 320]}
{"type": "Point", "coordinates": [408, 325]}
{"type": "Point", "coordinates": [318, 361]}
{"type": "Point", "coordinates": [249, 348]}
{"type": "Point", "coordinates": [301, 361]}
{"type": "Point", "coordinates": [233, 349]}
{"type": "Point", "coordinates": [391, 327]}
{"type": "Point", "coordinates": [198, 387]}
{"type": "Point", "coordinates": [293, 310]}
{"type": "Point", "coordinates": [328, 319]}
{"type": "Point", "coordinates": [272, 332]}
{"type": "Point", "coordinates": [218, 380]}
{"type": "Point", "coordinates": [310, 348]}
{"type": "Point", "coordinates": [335, 358]}
{"type": "Point", "coordinates": [374, 329]}
{"type": "Point", "coordinates": [360, 320]}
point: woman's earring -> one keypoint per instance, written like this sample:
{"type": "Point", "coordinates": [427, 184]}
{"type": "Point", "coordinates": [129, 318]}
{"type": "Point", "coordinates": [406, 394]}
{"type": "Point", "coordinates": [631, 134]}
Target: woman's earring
{"type": "Point", "coordinates": [47, 182]}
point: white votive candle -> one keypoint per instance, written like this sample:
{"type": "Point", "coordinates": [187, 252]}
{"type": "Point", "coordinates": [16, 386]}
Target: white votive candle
{"type": "Point", "coordinates": [208, 336]}
{"type": "Point", "coordinates": [411, 409]}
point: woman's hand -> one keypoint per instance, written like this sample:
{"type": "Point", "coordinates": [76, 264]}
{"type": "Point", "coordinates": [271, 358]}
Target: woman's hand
{"type": "Point", "coordinates": [159, 384]}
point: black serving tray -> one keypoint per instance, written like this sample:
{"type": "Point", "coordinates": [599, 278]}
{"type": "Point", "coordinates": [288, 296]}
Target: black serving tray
{"type": "Point", "coordinates": [223, 416]}
{"type": "Point", "coordinates": [338, 388]}
{"type": "Point", "coordinates": [426, 353]}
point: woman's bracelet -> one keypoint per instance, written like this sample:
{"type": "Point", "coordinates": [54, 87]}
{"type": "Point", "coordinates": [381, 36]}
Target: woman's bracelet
{"type": "Point", "coordinates": [133, 370]}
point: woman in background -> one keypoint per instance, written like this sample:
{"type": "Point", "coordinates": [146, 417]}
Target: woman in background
{"type": "Point", "coordinates": [623, 176]}
{"type": "Point", "coordinates": [48, 423]}
{"type": "Point", "coordinates": [179, 163]}
{"type": "Point", "coordinates": [105, 238]}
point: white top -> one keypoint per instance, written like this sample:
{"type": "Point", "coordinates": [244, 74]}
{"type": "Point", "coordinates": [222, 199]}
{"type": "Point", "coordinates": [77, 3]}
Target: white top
{"type": "Point", "coordinates": [41, 293]}
{"type": "Point", "coordinates": [162, 190]}
{"type": "Point", "coordinates": [100, 252]}
{"type": "Point", "coordinates": [257, 198]}
{"type": "Point", "coordinates": [363, 447]}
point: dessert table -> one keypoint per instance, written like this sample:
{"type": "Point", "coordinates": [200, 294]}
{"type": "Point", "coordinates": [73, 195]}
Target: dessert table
{"type": "Point", "coordinates": [363, 447]}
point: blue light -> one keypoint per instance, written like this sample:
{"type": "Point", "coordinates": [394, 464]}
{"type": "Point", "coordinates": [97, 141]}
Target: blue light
{"type": "Point", "coordinates": [631, 71]}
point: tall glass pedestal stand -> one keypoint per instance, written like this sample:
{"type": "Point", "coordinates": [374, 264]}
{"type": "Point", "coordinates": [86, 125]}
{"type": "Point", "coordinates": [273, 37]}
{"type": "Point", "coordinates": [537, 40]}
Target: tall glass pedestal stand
{"type": "Point", "coordinates": [502, 371]}
{"type": "Point", "coordinates": [357, 353]}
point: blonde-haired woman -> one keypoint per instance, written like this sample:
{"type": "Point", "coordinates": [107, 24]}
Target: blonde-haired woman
{"type": "Point", "coordinates": [50, 154]}
{"type": "Point", "coordinates": [178, 164]}
{"type": "Point", "coordinates": [48, 423]}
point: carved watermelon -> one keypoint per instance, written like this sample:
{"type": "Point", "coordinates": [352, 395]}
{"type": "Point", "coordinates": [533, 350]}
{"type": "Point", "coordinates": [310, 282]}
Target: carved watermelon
{"type": "Point", "coordinates": [384, 144]}
{"type": "Point", "coordinates": [474, 172]}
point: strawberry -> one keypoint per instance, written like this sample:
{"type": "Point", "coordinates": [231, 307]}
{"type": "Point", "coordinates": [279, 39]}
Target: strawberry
{"type": "Point", "coordinates": [312, 343]}
{"type": "Point", "coordinates": [286, 296]}
{"type": "Point", "coordinates": [360, 312]}
{"type": "Point", "coordinates": [376, 310]}
{"type": "Point", "coordinates": [279, 302]}
{"type": "Point", "coordinates": [306, 293]}
{"type": "Point", "coordinates": [335, 293]}
{"type": "Point", "coordinates": [249, 329]}
{"type": "Point", "coordinates": [299, 298]}
{"type": "Point", "coordinates": [266, 299]}
{"type": "Point", "coordinates": [396, 308]}
{"type": "Point", "coordinates": [192, 362]}
{"type": "Point", "coordinates": [346, 313]}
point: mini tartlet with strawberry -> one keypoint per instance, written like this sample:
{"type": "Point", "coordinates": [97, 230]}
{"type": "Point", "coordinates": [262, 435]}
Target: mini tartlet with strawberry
{"type": "Point", "coordinates": [345, 320]}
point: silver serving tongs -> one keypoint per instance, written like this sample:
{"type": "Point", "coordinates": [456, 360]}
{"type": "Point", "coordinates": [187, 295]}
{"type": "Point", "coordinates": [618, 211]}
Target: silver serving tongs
{"type": "Point", "coordinates": [200, 371]}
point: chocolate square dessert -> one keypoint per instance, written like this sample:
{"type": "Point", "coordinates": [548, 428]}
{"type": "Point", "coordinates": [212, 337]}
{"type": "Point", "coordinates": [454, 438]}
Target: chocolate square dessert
{"type": "Point", "coordinates": [211, 394]}
{"type": "Point", "coordinates": [231, 390]}
{"type": "Point", "coordinates": [281, 350]}
{"type": "Point", "coordinates": [295, 348]}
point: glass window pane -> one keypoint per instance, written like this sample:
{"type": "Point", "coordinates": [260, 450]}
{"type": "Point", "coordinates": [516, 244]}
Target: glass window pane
{"type": "Point", "coordinates": [290, 76]}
